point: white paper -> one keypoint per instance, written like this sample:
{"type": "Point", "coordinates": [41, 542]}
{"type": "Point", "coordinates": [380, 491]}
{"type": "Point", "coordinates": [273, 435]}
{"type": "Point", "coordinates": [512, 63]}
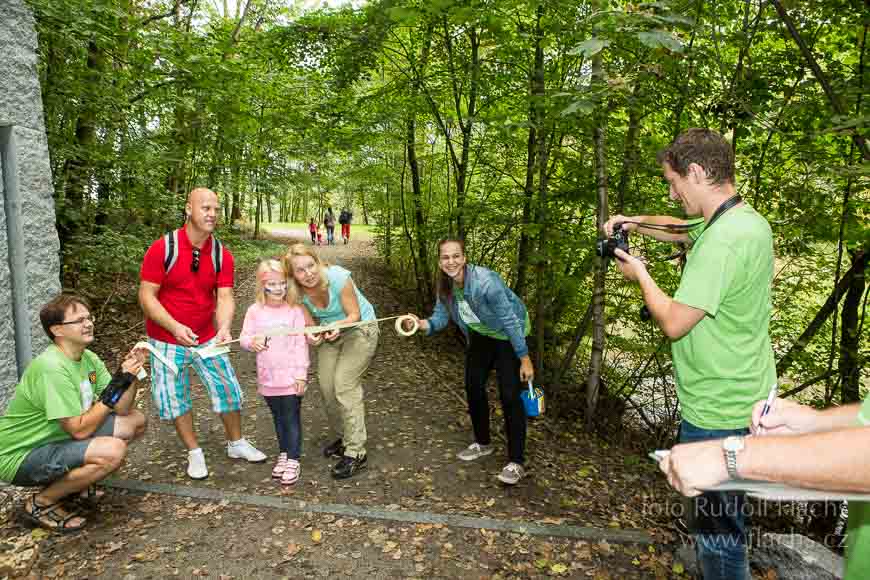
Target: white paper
{"type": "Point", "coordinates": [158, 355]}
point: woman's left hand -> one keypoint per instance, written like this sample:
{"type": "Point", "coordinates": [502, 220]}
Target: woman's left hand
{"type": "Point", "coordinates": [527, 371]}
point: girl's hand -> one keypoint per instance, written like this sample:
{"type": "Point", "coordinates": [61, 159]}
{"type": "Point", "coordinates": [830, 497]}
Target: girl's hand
{"type": "Point", "coordinates": [315, 339]}
{"type": "Point", "coordinates": [300, 385]}
{"type": "Point", "coordinates": [260, 343]}
{"type": "Point", "coordinates": [331, 335]}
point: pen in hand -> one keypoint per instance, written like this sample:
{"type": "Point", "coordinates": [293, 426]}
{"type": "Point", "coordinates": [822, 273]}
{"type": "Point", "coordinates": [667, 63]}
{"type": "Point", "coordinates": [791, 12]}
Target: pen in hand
{"type": "Point", "coordinates": [768, 405]}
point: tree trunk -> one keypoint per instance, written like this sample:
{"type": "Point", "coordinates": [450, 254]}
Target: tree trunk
{"type": "Point", "coordinates": [424, 277]}
{"type": "Point", "coordinates": [817, 322]}
{"type": "Point", "coordinates": [593, 379]}
{"type": "Point", "coordinates": [536, 94]}
{"type": "Point", "coordinates": [850, 360]}
{"type": "Point", "coordinates": [629, 155]}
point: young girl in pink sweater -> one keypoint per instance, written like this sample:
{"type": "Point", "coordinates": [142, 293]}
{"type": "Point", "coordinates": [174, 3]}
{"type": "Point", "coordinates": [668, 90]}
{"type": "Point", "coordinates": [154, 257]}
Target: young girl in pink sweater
{"type": "Point", "coordinates": [282, 361]}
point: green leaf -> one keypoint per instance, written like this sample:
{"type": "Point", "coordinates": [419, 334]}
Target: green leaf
{"type": "Point", "coordinates": [660, 39]}
{"type": "Point", "coordinates": [591, 47]}
{"type": "Point", "coordinates": [582, 105]}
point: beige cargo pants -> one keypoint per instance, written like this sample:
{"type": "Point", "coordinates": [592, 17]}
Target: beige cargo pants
{"type": "Point", "coordinates": [340, 367]}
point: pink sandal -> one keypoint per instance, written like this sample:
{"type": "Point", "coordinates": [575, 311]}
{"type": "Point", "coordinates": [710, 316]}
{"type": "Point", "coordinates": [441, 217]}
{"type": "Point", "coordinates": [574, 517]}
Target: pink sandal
{"type": "Point", "coordinates": [280, 466]}
{"type": "Point", "coordinates": [291, 474]}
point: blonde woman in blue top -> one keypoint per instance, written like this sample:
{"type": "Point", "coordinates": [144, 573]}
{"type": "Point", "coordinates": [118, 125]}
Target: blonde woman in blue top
{"type": "Point", "coordinates": [328, 292]}
{"type": "Point", "coordinates": [495, 323]}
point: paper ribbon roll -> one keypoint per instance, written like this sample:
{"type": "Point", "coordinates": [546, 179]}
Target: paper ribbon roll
{"type": "Point", "coordinates": [158, 355]}
{"type": "Point", "coordinates": [400, 329]}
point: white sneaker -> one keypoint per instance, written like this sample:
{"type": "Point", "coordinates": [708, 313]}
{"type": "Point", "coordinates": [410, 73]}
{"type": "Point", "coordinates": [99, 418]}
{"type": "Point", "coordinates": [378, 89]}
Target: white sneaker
{"type": "Point", "coordinates": [474, 451]}
{"type": "Point", "coordinates": [196, 468]}
{"type": "Point", "coordinates": [512, 474]}
{"type": "Point", "coordinates": [241, 449]}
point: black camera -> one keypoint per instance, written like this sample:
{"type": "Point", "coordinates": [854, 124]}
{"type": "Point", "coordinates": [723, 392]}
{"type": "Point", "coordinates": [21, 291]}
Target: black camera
{"type": "Point", "coordinates": [605, 248]}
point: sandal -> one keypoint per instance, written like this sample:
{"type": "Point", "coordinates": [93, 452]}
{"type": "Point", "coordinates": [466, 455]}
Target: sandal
{"type": "Point", "coordinates": [86, 500]}
{"type": "Point", "coordinates": [49, 517]}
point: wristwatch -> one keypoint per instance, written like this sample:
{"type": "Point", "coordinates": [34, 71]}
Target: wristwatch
{"type": "Point", "coordinates": [732, 446]}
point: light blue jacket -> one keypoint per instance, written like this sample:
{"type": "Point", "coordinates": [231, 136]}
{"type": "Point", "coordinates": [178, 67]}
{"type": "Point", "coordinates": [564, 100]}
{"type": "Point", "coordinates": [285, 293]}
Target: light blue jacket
{"type": "Point", "coordinates": [492, 302]}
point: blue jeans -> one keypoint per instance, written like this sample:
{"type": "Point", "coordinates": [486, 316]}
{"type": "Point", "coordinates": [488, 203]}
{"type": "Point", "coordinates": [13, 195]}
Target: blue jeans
{"type": "Point", "coordinates": [717, 520]}
{"type": "Point", "coordinates": [288, 425]}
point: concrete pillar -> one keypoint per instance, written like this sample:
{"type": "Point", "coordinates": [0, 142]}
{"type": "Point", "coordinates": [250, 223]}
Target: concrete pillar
{"type": "Point", "coordinates": [25, 172]}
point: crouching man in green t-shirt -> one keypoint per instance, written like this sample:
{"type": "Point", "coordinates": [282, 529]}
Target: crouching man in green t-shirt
{"type": "Point", "coordinates": [69, 421]}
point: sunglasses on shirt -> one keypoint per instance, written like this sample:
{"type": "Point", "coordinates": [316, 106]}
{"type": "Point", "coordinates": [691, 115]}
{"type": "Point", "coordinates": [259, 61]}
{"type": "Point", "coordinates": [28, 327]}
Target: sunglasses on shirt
{"type": "Point", "coordinates": [194, 264]}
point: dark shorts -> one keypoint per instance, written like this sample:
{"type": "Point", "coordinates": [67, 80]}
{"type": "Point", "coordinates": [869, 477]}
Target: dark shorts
{"type": "Point", "coordinates": [52, 461]}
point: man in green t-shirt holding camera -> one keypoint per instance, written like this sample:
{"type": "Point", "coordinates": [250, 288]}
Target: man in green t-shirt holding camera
{"type": "Point", "coordinates": [717, 321]}
{"type": "Point", "coordinates": [69, 422]}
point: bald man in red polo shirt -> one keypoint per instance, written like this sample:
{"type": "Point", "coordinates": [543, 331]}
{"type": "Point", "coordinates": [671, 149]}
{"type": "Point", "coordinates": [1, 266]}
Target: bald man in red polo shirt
{"type": "Point", "coordinates": [187, 305]}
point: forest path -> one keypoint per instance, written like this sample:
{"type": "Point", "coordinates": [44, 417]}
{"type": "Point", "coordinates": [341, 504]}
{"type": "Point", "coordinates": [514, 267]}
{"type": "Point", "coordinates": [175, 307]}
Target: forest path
{"type": "Point", "coordinates": [417, 511]}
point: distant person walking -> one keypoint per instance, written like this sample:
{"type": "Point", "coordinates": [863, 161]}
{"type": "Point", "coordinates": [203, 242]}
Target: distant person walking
{"type": "Point", "coordinates": [344, 219]}
{"type": "Point", "coordinates": [329, 222]}
{"type": "Point", "coordinates": [312, 229]}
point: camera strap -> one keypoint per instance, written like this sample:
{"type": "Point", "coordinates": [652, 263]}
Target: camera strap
{"type": "Point", "coordinates": [725, 206]}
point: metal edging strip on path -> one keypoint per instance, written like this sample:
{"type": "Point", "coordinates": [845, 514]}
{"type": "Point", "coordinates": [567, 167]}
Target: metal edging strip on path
{"type": "Point", "coordinates": [413, 517]}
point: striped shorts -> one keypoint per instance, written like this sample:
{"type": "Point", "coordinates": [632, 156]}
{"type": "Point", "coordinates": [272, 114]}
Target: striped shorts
{"type": "Point", "coordinates": [171, 393]}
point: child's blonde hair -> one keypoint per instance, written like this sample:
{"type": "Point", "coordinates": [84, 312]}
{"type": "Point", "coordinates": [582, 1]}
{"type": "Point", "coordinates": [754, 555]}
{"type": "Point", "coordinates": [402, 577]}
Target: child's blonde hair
{"type": "Point", "coordinates": [297, 250]}
{"type": "Point", "coordinates": [266, 267]}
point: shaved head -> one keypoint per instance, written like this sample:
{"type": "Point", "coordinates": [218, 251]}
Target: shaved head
{"type": "Point", "coordinates": [202, 209]}
{"type": "Point", "coordinates": [196, 195]}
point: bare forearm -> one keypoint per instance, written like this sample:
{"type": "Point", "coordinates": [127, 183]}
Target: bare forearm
{"type": "Point", "coordinates": [226, 308]}
{"type": "Point", "coordinates": [84, 425]}
{"type": "Point", "coordinates": [833, 460]}
{"type": "Point", "coordinates": [658, 303]}
{"type": "Point", "coordinates": [125, 404]}
{"type": "Point", "coordinates": [658, 234]}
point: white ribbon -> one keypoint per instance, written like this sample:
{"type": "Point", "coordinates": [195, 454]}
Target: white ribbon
{"type": "Point", "coordinates": [158, 355]}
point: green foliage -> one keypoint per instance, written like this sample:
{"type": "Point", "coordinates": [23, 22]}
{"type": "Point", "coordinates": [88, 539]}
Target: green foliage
{"type": "Point", "coordinates": [287, 113]}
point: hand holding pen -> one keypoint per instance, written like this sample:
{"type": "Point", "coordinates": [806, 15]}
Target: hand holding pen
{"type": "Point", "coordinates": [774, 416]}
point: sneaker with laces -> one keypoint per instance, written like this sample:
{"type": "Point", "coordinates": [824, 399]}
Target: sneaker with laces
{"type": "Point", "coordinates": [241, 449]}
{"type": "Point", "coordinates": [474, 451]}
{"type": "Point", "coordinates": [511, 474]}
{"type": "Point", "coordinates": [280, 466]}
{"type": "Point", "coordinates": [347, 466]}
{"type": "Point", "coordinates": [334, 449]}
{"type": "Point", "coordinates": [291, 474]}
{"type": "Point", "coordinates": [196, 468]}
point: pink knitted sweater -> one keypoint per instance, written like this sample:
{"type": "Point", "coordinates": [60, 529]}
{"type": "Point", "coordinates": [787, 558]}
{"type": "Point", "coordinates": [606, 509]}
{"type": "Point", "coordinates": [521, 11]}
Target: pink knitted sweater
{"type": "Point", "coordinates": [286, 359]}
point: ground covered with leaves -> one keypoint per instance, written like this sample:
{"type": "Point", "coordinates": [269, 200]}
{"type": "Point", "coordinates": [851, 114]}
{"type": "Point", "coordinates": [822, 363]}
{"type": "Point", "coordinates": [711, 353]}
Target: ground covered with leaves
{"type": "Point", "coordinates": [416, 421]}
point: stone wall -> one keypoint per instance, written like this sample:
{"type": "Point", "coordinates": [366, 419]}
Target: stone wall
{"type": "Point", "coordinates": [22, 128]}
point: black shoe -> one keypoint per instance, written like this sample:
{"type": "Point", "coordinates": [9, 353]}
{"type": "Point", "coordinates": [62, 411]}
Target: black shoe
{"type": "Point", "coordinates": [347, 466]}
{"type": "Point", "coordinates": [334, 449]}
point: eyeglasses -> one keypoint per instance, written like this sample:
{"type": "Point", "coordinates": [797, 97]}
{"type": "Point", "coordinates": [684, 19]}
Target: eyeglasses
{"type": "Point", "coordinates": [194, 265]}
{"type": "Point", "coordinates": [89, 318]}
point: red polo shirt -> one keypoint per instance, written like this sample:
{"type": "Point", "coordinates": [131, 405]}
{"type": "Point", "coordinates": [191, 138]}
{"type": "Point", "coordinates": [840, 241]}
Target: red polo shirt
{"type": "Point", "coordinates": [189, 297]}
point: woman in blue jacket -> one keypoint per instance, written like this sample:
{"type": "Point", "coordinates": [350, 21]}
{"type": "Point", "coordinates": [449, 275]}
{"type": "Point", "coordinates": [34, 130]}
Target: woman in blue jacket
{"type": "Point", "coordinates": [495, 323]}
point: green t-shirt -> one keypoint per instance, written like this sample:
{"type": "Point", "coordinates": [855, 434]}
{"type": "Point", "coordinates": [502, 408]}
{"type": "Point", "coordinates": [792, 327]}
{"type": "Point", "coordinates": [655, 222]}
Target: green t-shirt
{"type": "Point", "coordinates": [479, 327]}
{"type": "Point", "coordinates": [53, 387]}
{"type": "Point", "coordinates": [858, 538]}
{"type": "Point", "coordinates": [725, 363]}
